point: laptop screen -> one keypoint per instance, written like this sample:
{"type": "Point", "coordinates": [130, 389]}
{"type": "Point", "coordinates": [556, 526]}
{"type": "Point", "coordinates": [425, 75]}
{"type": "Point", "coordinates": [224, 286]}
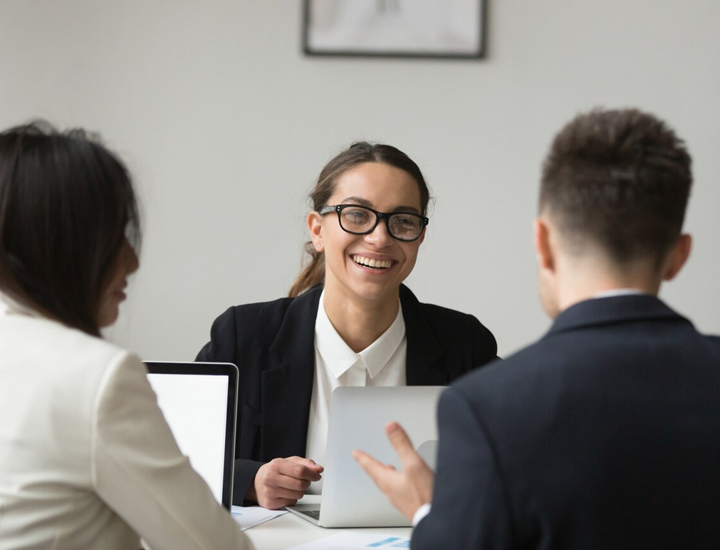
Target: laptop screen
{"type": "Point", "coordinates": [198, 401]}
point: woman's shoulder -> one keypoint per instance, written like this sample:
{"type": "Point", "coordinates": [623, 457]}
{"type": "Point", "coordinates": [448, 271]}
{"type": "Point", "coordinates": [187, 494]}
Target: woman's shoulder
{"type": "Point", "coordinates": [435, 313]}
{"type": "Point", "coordinates": [448, 325]}
{"type": "Point", "coordinates": [272, 313]}
{"type": "Point", "coordinates": [67, 362]}
{"type": "Point", "coordinates": [59, 342]}
{"type": "Point", "coordinates": [262, 320]}
{"type": "Point", "coordinates": [257, 317]}
{"type": "Point", "coordinates": [265, 310]}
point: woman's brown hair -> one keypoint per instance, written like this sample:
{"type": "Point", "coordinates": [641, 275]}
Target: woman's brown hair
{"type": "Point", "coordinates": [66, 206]}
{"type": "Point", "coordinates": [358, 153]}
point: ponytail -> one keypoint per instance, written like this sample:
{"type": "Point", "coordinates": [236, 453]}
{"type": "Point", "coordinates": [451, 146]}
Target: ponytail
{"type": "Point", "coordinates": [312, 274]}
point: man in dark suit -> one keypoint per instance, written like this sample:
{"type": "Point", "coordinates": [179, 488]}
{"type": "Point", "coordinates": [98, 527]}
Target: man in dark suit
{"type": "Point", "coordinates": [604, 434]}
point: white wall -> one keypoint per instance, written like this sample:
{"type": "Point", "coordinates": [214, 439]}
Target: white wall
{"type": "Point", "coordinates": [225, 125]}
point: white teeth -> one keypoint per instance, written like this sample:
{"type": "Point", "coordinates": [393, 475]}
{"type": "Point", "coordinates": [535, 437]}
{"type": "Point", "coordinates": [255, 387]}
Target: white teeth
{"type": "Point", "coordinates": [368, 262]}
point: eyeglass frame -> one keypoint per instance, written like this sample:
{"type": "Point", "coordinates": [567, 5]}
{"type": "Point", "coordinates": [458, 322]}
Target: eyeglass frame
{"type": "Point", "coordinates": [338, 208]}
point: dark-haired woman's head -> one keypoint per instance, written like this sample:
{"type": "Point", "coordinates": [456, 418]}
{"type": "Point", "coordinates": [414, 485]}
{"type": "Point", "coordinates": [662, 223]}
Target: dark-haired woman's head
{"type": "Point", "coordinates": [69, 225]}
{"type": "Point", "coordinates": [369, 166]}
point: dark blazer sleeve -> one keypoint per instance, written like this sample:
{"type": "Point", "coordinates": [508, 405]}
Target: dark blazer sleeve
{"type": "Point", "coordinates": [465, 515]}
{"type": "Point", "coordinates": [222, 347]}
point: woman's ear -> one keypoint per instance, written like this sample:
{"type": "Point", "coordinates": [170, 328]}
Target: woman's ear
{"type": "Point", "coordinates": [314, 221]}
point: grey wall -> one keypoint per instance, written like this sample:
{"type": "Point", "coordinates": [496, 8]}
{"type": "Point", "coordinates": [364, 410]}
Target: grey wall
{"type": "Point", "coordinates": [225, 125]}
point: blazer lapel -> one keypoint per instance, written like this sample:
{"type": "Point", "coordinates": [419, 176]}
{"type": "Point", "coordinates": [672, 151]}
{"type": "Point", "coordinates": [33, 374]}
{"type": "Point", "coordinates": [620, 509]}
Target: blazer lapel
{"type": "Point", "coordinates": [287, 386]}
{"type": "Point", "coordinates": [423, 349]}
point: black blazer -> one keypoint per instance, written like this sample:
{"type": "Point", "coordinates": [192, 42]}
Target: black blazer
{"type": "Point", "coordinates": [603, 435]}
{"type": "Point", "coordinates": [273, 345]}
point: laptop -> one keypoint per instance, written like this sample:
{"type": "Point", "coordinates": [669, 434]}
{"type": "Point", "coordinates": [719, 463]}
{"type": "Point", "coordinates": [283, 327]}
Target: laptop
{"type": "Point", "coordinates": [199, 402]}
{"type": "Point", "coordinates": [358, 416]}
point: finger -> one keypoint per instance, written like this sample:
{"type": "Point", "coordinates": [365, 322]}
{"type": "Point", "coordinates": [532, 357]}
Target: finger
{"type": "Point", "coordinates": [291, 483]}
{"type": "Point", "coordinates": [270, 475]}
{"type": "Point", "coordinates": [377, 471]}
{"type": "Point", "coordinates": [401, 443]}
{"type": "Point", "coordinates": [278, 503]}
{"type": "Point", "coordinates": [299, 471]}
{"type": "Point", "coordinates": [274, 493]}
{"type": "Point", "coordinates": [307, 462]}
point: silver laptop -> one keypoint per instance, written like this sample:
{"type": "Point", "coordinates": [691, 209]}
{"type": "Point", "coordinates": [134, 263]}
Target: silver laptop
{"type": "Point", "coordinates": [358, 417]}
{"type": "Point", "coordinates": [199, 402]}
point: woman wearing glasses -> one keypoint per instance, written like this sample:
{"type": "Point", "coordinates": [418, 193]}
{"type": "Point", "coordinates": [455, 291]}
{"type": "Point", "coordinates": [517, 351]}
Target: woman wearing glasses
{"type": "Point", "coordinates": [349, 321]}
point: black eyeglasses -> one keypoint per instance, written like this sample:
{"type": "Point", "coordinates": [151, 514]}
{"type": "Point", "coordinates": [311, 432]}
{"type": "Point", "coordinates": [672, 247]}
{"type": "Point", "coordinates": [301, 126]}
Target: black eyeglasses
{"type": "Point", "coordinates": [361, 220]}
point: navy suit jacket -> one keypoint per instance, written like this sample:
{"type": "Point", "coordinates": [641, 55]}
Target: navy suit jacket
{"type": "Point", "coordinates": [273, 345]}
{"type": "Point", "coordinates": [605, 434]}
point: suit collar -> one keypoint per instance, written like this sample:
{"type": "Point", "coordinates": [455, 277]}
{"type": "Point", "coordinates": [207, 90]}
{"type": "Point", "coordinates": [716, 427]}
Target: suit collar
{"type": "Point", "coordinates": [613, 310]}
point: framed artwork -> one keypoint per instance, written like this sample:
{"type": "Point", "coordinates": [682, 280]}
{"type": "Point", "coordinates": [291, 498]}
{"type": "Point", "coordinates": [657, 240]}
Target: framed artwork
{"type": "Point", "coordinates": [395, 28]}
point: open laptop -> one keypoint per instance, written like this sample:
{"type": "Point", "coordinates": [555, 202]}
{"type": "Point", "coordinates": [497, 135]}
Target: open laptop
{"type": "Point", "coordinates": [199, 402]}
{"type": "Point", "coordinates": [358, 416]}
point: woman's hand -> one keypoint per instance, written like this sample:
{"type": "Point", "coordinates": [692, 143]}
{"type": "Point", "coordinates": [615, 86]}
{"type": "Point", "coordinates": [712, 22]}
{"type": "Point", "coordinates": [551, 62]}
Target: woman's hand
{"type": "Point", "coordinates": [282, 481]}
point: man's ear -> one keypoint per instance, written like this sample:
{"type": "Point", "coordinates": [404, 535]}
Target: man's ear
{"type": "Point", "coordinates": [543, 250]}
{"type": "Point", "coordinates": [314, 221]}
{"type": "Point", "coordinates": [677, 257]}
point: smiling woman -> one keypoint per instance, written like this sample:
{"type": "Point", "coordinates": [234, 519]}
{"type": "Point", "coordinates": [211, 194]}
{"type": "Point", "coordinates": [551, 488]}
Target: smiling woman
{"type": "Point", "coordinates": [349, 321]}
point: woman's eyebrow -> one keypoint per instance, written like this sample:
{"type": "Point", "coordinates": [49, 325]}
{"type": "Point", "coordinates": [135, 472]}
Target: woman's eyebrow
{"type": "Point", "coordinates": [410, 209]}
{"type": "Point", "coordinates": [365, 202]}
{"type": "Point", "coordinates": [357, 200]}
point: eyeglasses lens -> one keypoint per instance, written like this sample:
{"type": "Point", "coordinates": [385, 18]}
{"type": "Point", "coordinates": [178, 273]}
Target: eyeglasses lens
{"type": "Point", "coordinates": [405, 227]}
{"type": "Point", "coordinates": [357, 220]}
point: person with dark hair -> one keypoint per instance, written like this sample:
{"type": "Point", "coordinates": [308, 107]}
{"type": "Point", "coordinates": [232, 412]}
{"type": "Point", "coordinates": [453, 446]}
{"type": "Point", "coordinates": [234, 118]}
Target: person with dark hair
{"type": "Point", "coordinates": [349, 321]}
{"type": "Point", "coordinates": [604, 434]}
{"type": "Point", "coordinates": [86, 457]}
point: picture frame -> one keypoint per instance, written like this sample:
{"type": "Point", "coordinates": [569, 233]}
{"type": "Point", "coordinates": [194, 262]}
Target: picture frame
{"type": "Point", "coordinates": [453, 29]}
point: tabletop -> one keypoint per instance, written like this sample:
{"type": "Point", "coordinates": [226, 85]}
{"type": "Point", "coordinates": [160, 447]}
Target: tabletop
{"type": "Point", "coordinates": [289, 530]}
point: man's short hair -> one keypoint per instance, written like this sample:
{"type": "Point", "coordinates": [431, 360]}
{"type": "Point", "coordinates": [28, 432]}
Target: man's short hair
{"type": "Point", "coordinates": [618, 180]}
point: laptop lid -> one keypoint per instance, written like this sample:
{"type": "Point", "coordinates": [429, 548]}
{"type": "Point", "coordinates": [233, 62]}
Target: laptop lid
{"type": "Point", "coordinates": [358, 416]}
{"type": "Point", "coordinates": [199, 402]}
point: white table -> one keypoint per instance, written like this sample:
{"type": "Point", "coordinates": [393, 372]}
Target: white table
{"type": "Point", "coordinates": [289, 530]}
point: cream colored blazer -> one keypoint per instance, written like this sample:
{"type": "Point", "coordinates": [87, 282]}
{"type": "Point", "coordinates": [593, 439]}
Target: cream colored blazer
{"type": "Point", "coordinates": [87, 460]}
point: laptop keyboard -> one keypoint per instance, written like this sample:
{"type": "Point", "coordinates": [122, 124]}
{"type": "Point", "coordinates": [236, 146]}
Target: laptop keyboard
{"type": "Point", "coordinates": [315, 514]}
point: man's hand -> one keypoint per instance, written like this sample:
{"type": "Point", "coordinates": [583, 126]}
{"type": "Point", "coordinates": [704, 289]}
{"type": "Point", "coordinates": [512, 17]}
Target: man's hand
{"type": "Point", "coordinates": [282, 481]}
{"type": "Point", "coordinates": [406, 490]}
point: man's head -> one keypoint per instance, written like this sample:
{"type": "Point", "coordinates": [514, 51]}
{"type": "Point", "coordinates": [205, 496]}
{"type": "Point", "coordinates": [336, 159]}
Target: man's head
{"type": "Point", "coordinates": [614, 189]}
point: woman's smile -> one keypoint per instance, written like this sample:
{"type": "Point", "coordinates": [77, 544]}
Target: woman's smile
{"type": "Point", "coordinates": [368, 261]}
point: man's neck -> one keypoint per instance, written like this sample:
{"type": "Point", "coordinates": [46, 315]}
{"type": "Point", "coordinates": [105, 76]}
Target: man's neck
{"type": "Point", "coordinates": [586, 280]}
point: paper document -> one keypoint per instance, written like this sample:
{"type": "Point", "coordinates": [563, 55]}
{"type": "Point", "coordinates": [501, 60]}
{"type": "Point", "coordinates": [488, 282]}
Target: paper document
{"type": "Point", "coordinates": [356, 541]}
{"type": "Point", "coordinates": [250, 516]}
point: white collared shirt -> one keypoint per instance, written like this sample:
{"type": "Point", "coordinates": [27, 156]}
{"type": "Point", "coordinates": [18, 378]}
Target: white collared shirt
{"type": "Point", "coordinates": [382, 363]}
{"type": "Point", "coordinates": [614, 292]}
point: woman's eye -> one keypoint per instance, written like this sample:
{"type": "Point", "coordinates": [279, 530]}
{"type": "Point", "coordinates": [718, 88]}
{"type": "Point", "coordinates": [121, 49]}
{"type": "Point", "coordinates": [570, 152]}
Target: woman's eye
{"type": "Point", "coordinates": [404, 221]}
{"type": "Point", "coordinates": [356, 216]}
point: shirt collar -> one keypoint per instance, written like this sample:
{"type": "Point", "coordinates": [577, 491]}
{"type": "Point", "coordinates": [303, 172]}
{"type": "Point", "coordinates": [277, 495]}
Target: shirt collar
{"type": "Point", "coordinates": [339, 357]}
{"type": "Point", "coordinates": [618, 292]}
